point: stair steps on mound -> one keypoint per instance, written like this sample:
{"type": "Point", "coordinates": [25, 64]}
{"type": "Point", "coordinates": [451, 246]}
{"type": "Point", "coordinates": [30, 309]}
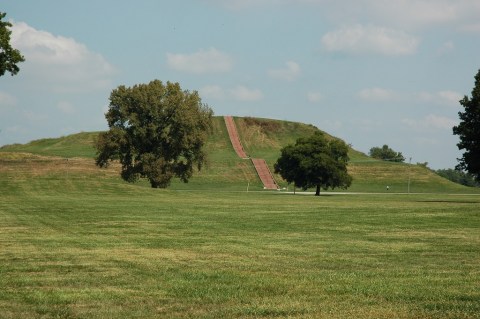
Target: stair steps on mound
{"type": "Point", "coordinates": [260, 165]}
{"type": "Point", "coordinates": [264, 173]}
{"type": "Point", "coordinates": [234, 138]}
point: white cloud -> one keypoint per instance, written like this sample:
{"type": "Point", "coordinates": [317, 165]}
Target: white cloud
{"type": "Point", "coordinates": [431, 121]}
{"type": "Point", "coordinates": [446, 48]}
{"type": "Point", "coordinates": [239, 93]}
{"type": "Point", "coordinates": [290, 73]}
{"type": "Point", "coordinates": [243, 93]}
{"type": "Point", "coordinates": [440, 122]}
{"type": "Point", "coordinates": [212, 92]}
{"type": "Point", "coordinates": [376, 94]}
{"type": "Point", "coordinates": [447, 97]}
{"type": "Point", "coordinates": [60, 63]}
{"type": "Point", "coordinates": [450, 97]}
{"type": "Point", "coordinates": [7, 100]}
{"type": "Point", "coordinates": [360, 39]}
{"type": "Point", "coordinates": [66, 107]}
{"type": "Point", "coordinates": [201, 62]}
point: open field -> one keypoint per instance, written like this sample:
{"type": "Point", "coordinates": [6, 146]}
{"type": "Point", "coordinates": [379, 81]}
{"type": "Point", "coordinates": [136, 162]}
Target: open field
{"type": "Point", "coordinates": [76, 242]}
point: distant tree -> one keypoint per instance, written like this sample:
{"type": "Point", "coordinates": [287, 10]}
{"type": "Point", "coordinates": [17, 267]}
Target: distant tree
{"type": "Point", "coordinates": [459, 177]}
{"type": "Point", "coordinates": [9, 57]}
{"type": "Point", "coordinates": [386, 153]}
{"type": "Point", "coordinates": [315, 162]}
{"type": "Point", "coordinates": [156, 131]}
{"type": "Point", "coordinates": [469, 132]}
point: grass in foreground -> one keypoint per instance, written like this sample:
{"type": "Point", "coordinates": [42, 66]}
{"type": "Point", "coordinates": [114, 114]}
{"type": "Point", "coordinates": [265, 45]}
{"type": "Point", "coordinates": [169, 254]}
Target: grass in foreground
{"type": "Point", "coordinates": [80, 246]}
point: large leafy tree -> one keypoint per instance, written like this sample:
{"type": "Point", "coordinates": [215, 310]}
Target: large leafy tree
{"type": "Point", "coordinates": [9, 57]}
{"type": "Point", "coordinates": [315, 162]}
{"type": "Point", "coordinates": [157, 131]}
{"type": "Point", "coordinates": [469, 131]}
{"type": "Point", "coordinates": [385, 153]}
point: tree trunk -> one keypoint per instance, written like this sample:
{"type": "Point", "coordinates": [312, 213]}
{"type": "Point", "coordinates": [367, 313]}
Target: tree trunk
{"type": "Point", "coordinates": [317, 193]}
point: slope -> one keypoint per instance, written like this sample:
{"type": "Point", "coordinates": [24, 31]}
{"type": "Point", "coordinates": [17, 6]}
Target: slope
{"type": "Point", "coordinates": [261, 138]}
{"type": "Point", "coordinates": [260, 164]}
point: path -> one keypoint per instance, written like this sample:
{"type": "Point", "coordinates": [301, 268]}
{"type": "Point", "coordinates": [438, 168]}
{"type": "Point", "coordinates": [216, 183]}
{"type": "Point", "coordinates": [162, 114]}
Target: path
{"type": "Point", "coordinates": [260, 165]}
{"type": "Point", "coordinates": [264, 173]}
{"type": "Point", "coordinates": [234, 138]}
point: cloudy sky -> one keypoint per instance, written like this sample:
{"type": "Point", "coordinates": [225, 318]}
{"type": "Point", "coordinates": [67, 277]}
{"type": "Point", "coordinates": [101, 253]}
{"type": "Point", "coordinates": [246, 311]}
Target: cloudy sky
{"type": "Point", "coordinates": [371, 72]}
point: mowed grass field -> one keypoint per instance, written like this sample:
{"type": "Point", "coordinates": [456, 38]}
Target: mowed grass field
{"type": "Point", "coordinates": [78, 242]}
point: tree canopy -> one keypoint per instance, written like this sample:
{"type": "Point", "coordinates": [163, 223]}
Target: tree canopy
{"type": "Point", "coordinates": [468, 131]}
{"type": "Point", "coordinates": [385, 153]}
{"type": "Point", "coordinates": [315, 162]}
{"type": "Point", "coordinates": [156, 131]}
{"type": "Point", "coordinates": [9, 57]}
{"type": "Point", "coordinates": [459, 177]}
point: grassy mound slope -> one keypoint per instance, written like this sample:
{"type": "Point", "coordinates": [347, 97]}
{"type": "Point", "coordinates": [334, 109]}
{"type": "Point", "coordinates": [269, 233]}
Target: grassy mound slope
{"type": "Point", "coordinates": [262, 138]}
{"type": "Point", "coordinates": [75, 145]}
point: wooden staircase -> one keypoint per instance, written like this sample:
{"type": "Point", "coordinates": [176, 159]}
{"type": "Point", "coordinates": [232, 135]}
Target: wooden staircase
{"type": "Point", "coordinates": [260, 165]}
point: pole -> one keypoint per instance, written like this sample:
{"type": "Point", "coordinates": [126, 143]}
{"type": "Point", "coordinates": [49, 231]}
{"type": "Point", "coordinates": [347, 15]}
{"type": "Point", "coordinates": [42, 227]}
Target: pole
{"type": "Point", "coordinates": [409, 171]}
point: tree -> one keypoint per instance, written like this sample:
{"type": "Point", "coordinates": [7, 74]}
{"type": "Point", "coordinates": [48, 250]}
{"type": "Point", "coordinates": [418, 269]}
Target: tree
{"type": "Point", "coordinates": [9, 57]}
{"type": "Point", "coordinates": [156, 131]}
{"type": "Point", "coordinates": [469, 132]}
{"type": "Point", "coordinates": [459, 177]}
{"type": "Point", "coordinates": [315, 162]}
{"type": "Point", "coordinates": [385, 153]}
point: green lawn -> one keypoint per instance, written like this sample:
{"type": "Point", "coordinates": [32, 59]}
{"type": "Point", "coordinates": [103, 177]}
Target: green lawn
{"type": "Point", "coordinates": [76, 242]}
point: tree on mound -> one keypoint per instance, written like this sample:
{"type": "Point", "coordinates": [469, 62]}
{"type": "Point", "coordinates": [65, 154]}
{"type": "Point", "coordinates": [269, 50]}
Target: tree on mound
{"type": "Point", "coordinates": [385, 153]}
{"type": "Point", "coordinates": [468, 131]}
{"type": "Point", "coordinates": [156, 131]}
{"type": "Point", "coordinates": [315, 162]}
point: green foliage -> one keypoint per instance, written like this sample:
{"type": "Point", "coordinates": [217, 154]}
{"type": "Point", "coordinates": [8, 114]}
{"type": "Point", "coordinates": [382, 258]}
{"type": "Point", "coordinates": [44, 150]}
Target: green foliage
{"type": "Point", "coordinates": [9, 57]}
{"type": "Point", "coordinates": [315, 162]}
{"type": "Point", "coordinates": [385, 153]}
{"type": "Point", "coordinates": [469, 132]}
{"type": "Point", "coordinates": [157, 132]}
{"type": "Point", "coordinates": [459, 177]}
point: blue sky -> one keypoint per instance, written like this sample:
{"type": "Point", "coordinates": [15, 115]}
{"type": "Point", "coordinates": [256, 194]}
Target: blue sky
{"type": "Point", "coordinates": [371, 72]}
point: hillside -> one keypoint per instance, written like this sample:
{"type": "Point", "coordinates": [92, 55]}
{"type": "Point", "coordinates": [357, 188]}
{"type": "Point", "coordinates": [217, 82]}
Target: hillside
{"type": "Point", "coordinates": [261, 138]}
